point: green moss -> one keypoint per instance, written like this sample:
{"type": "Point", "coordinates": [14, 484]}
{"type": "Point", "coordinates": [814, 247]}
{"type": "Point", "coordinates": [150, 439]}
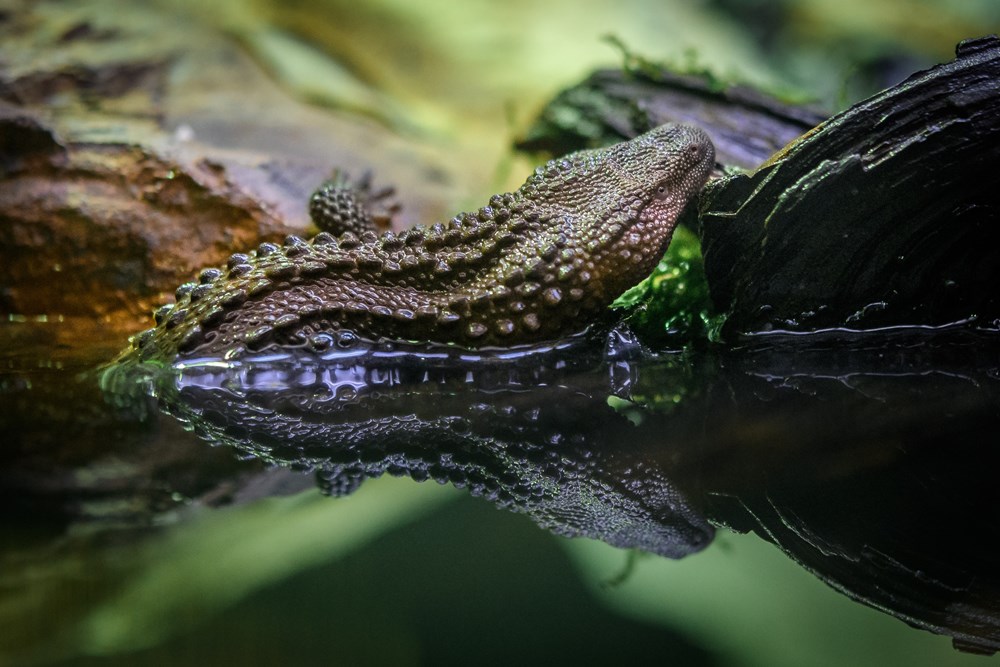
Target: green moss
{"type": "Point", "coordinates": [672, 306]}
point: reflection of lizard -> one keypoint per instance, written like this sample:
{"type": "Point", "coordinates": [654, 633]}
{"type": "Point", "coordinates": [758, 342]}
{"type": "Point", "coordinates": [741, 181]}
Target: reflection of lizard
{"type": "Point", "coordinates": [534, 265]}
{"type": "Point", "coordinates": [538, 439]}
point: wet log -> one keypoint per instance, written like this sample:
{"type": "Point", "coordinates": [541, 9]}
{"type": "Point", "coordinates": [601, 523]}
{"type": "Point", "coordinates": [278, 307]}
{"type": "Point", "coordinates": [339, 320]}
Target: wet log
{"type": "Point", "coordinates": [746, 125]}
{"type": "Point", "coordinates": [885, 215]}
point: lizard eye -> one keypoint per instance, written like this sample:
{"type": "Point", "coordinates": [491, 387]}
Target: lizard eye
{"type": "Point", "coordinates": [661, 192]}
{"type": "Point", "coordinates": [693, 149]}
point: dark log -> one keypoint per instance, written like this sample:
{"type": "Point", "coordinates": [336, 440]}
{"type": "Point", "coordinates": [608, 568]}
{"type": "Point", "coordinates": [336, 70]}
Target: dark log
{"type": "Point", "coordinates": [885, 215]}
{"type": "Point", "coordinates": [746, 125]}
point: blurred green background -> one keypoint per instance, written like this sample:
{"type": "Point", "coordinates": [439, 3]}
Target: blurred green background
{"type": "Point", "coordinates": [472, 76]}
{"type": "Point", "coordinates": [418, 574]}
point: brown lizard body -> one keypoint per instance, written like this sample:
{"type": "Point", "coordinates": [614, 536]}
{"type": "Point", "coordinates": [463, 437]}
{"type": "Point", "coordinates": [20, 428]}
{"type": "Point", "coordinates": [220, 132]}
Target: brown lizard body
{"type": "Point", "coordinates": [534, 265]}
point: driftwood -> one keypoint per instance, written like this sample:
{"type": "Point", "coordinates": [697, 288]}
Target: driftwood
{"type": "Point", "coordinates": [746, 125]}
{"type": "Point", "coordinates": [884, 215]}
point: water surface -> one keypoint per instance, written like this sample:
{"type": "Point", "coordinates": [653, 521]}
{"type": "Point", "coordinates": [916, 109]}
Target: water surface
{"type": "Point", "coordinates": [167, 519]}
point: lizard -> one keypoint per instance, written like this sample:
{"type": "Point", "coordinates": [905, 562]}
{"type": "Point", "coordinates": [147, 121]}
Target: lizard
{"type": "Point", "coordinates": [537, 264]}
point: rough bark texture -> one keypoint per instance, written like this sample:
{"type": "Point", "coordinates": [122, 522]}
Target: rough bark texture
{"type": "Point", "coordinates": [747, 126]}
{"type": "Point", "coordinates": [884, 215]}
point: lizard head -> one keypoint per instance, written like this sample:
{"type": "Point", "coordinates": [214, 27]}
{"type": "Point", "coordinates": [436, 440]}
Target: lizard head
{"type": "Point", "coordinates": [620, 204]}
{"type": "Point", "coordinates": [650, 179]}
{"type": "Point", "coordinates": [666, 167]}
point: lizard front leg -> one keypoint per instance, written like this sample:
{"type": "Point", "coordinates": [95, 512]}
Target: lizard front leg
{"type": "Point", "coordinates": [340, 206]}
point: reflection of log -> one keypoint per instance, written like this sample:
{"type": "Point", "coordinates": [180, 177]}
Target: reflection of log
{"type": "Point", "coordinates": [67, 459]}
{"type": "Point", "coordinates": [886, 214]}
{"type": "Point", "coordinates": [871, 464]}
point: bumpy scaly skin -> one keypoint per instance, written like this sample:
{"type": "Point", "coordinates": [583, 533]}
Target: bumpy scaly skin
{"type": "Point", "coordinates": [536, 264]}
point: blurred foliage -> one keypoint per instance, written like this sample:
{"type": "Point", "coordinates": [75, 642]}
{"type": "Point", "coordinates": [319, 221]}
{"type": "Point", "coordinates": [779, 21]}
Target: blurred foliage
{"type": "Point", "coordinates": [113, 597]}
{"type": "Point", "coordinates": [844, 50]}
{"type": "Point", "coordinates": [640, 66]}
{"type": "Point", "coordinates": [464, 584]}
{"type": "Point", "coordinates": [453, 586]}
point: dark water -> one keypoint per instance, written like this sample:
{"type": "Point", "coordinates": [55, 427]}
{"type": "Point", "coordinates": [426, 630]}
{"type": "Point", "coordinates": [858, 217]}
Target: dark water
{"type": "Point", "coordinates": [814, 489]}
